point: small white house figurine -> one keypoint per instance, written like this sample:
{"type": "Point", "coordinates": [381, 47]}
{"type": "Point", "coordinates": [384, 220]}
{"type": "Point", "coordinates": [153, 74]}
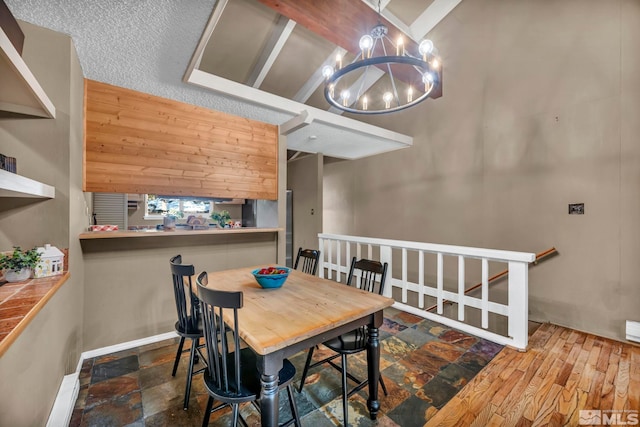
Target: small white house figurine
{"type": "Point", "coordinates": [51, 262]}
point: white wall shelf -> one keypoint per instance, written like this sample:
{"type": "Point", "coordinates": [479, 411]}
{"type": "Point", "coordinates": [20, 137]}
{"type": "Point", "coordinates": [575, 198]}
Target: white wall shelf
{"type": "Point", "coordinates": [20, 92]}
{"type": "Point", "coordinates": [12, 185]}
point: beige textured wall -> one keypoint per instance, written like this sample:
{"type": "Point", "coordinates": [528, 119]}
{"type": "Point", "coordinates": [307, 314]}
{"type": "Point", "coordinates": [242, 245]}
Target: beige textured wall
{"type": "Point", "coordinates": [304, 177]}
{"type": "Point", "coordinates": [128, 292]}
{"type": "Point", "coordinates": [47, 150]}
{"type": "Point", "coordinates": [540, 109]}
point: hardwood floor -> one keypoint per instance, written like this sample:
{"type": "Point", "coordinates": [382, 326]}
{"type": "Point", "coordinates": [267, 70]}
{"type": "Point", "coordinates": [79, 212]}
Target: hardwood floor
{"type": "Point", "coordinates": [563, 372]}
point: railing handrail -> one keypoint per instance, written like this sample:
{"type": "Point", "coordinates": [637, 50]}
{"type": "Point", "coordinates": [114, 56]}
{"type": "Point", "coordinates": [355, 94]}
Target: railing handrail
{"type": "Point", "coordinates": [466, 251]}
{"type": "Point", "coordinates": [515, 310]}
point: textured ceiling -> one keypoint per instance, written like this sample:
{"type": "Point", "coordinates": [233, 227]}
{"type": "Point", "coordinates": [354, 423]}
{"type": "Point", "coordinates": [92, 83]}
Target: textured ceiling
{"type": "Point", "coordinates": [143, 45]}
{"type": "Point", "coordinates": [146, 45]}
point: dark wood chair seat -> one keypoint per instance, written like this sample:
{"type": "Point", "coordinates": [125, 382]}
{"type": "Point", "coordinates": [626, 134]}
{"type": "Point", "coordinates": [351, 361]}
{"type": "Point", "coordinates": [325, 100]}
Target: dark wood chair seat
{"type": "Point", "coordinates": [190, 330]}
{"type": "Point", "coordinates": [249, 389]}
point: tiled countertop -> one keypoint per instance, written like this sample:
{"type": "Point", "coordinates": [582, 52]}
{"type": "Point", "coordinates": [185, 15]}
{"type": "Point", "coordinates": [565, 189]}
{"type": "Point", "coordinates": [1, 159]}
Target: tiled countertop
{"type": "Point", "coordinates": [20, 302]}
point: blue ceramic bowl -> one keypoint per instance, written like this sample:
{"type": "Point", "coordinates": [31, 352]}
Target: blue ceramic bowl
{"type": "Point", "coordinates": [271, 281]}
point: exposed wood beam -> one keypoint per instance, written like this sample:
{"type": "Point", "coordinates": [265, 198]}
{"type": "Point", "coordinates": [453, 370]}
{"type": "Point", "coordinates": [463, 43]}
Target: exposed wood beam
{"type": "Point", "coordinates": [342, 22]}
{"type": "Point", "coordinates": [272, 49]}
{"type": "Point", "coordinates": [298, 122]}
{"type": "Point", "coordinates": [317, 78]}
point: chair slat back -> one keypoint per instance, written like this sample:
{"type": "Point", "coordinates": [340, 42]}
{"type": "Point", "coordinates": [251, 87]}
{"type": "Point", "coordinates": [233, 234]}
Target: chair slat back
{"type": "Point", "coordinates": [223, 355]}
{"type": "Point", "coordinates": [309, 259]}
{"type": "Point", "coordinates": [369, 273]}
{"type": "Point", "coordinates": [185, 297]}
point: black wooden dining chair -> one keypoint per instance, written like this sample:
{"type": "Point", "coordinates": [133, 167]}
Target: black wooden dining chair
{"type": "Point", "coordinates": [232, 376]}
{"type": "Point", "coordinates": [307, 260]}
{"type": "Point", "coordinates": [189, 324]}
{"type": "Point", "coordinates": [371, 276]}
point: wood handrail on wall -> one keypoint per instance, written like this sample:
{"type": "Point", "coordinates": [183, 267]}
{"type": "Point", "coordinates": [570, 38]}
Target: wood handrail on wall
{"type": "Point", "coordinates": [539, 257]}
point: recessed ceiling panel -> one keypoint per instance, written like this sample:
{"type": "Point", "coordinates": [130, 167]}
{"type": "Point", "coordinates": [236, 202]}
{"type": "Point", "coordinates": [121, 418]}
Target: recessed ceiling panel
{"type": "Point", "coordinates": [317, 99]}
{"type": "Point", "coordinates": [303, 53]}
{"type": "Point", "coordinates": [238, 39]}
{"type": "Point", "coordinates": [408, 10]}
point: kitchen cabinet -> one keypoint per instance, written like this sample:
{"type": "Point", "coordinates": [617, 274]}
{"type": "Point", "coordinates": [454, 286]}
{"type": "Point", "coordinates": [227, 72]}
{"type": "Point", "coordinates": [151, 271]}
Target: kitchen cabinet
{"type": "Point", "coordinates": [20, 93]}
{"type": "Point", "coordinates": [12, 185]}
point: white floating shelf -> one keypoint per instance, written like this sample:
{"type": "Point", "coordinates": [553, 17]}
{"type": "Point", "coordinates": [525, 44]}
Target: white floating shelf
{"type": "Point", "coordinates": [20, 92]}
{"type": "Point", "coordinates": [12, 185]}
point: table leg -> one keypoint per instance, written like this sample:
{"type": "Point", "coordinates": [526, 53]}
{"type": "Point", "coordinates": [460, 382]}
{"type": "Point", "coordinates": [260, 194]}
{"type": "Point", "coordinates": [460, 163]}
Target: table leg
{"type": "Point", "coordinates": [373, 363]}
{"type": "Point", "coordinates": [269, 369]}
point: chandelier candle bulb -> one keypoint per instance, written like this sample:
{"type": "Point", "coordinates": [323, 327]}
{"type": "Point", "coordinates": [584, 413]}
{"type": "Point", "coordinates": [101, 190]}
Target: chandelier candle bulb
{"type": "Point", "coordinates": [345, 97]}
{"type": "Point", "coordinates": [327, 70]}
{"type": "Point", "coordinates": [338, 61]}
{"type": "Point", "coordinates": [364, 103]}
{"type": "Point", "coordinates": [428, 81]}
{"type": "Point", "coordinates": [366, 43]}
{"type": "Point", "coordinates": [400, 47]}
{"type": "Point", "coordinates": [387, 97]}
{"type": "Point", "coordinates": [410, 94]}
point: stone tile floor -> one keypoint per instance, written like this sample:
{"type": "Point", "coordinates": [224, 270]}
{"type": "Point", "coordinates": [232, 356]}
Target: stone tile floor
{"type": "Point", "coordinates": [423, 363]}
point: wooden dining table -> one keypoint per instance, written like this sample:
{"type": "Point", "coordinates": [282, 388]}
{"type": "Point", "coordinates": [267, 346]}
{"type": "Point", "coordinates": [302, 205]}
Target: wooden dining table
{"type": "Point", "coordinates": [305, 311]}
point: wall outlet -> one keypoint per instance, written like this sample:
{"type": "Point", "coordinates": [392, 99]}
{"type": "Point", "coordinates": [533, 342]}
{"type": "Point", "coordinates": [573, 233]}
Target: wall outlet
{"type": "Point", "coordinates": [576, 208]}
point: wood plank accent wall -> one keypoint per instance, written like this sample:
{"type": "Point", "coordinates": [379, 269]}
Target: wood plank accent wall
{"type": "Point", "coordinates": [140, 143]}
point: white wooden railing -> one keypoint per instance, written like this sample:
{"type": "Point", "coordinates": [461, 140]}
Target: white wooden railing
{"type": "Point", "coordinates": [337, 251]}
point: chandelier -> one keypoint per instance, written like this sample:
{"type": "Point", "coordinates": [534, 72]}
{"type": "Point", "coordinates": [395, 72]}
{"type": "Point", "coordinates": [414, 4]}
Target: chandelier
{"type": "Point", "coordinates": [416, 77]}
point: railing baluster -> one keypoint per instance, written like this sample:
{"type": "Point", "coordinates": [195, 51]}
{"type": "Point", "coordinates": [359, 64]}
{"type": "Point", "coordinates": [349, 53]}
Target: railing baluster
{"type": "Point", "coordinates": [518, 303]}
{"type": "Point", "coordinates": [404, 275]}
{"type": "Point", "coordinates": [421, 279]}
{"type": "Point", "coordinates": [323, 254]}
{"type": "Point", "coordinates": [461, 287]}
{"type": "Point", "coordinates": [485, 293]}
{"type": "Point", "coordinates": [440, 281]}
{"type": "Point", "coordinates": [330, 255]}
{"type": "Point", "coordinates": [348, 257]}
{"type": "Point", "coordinates": [516, 310]}
{"type": "Point", "coordinates": [338, 261]}
{"type": "Point", "coordinates": [386, 256]}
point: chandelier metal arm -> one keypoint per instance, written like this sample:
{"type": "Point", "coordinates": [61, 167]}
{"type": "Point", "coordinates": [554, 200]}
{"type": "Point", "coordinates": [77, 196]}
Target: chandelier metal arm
{"type": "Point", "coordinates": [362, 80]}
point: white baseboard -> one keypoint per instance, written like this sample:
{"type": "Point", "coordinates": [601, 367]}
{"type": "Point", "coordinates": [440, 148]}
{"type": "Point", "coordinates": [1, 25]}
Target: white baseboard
{"type": "Point", "coordinates": [123, 346]}
{"type": "Point", "coordinates": [65, 401]}
{"type": "Point", "coordinates": [62, 410]}
{"type": "Point", "coordinates": [633, 331]}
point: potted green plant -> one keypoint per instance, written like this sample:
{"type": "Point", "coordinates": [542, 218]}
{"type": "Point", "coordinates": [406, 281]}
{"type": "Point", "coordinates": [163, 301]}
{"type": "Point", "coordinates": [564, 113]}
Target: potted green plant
{"type": "Point", "coordinates": [19, 265]}
{"type": "Point", "coordinates": [221, 217]}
